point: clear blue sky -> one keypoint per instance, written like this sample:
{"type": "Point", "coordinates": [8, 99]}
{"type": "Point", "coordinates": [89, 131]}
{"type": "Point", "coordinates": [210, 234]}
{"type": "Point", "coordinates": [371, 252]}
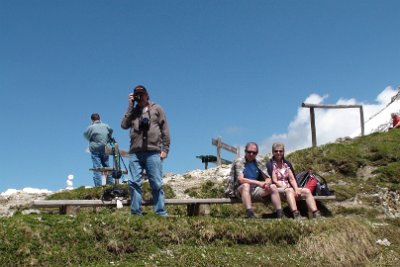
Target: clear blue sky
{"type": "Point", "coordinates": [235, 69]}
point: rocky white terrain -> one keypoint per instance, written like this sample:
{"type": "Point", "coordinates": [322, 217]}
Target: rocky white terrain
{"type": "Point", "coordinates": [13, 200]}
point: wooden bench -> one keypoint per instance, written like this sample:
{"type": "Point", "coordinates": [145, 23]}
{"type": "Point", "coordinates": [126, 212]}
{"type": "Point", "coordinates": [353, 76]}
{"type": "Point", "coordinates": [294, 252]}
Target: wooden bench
{"type": "Point", "coordinates": [194, 205]}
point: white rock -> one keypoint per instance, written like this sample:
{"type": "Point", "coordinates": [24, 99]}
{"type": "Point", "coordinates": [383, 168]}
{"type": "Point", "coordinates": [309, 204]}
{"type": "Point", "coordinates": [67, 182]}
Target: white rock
{"type": "Point", "coordinates": [383, 242]}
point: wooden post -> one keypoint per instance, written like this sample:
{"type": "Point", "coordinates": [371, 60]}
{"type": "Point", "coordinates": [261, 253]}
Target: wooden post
{"type": "Point", "coordinates": [312, 117]}
{"type": "Point", "coordinates": [192, 209]}
{"type": "Point", "coordinates": [313, 129]}
{"type": "Point", "coordinates": [219, 147]}
{"type": "Point", "coordinates": [362, 120]}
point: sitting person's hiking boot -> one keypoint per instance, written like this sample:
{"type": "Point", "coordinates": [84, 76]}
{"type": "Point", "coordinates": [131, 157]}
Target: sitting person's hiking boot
{"type": "Point", "coordinates": [317, 214]}
{"type": "Point", "coordinates": [296, 215]}
{"type": "Point", "coordinates": [279, 214]}
{"type": "Point", "coordinates": [250, 214]}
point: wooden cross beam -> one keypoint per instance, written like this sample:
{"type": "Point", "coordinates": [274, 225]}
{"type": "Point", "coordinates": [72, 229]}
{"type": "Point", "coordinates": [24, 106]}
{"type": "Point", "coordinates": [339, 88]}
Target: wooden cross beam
{"type": "Point", "coordinates": [312, 117]}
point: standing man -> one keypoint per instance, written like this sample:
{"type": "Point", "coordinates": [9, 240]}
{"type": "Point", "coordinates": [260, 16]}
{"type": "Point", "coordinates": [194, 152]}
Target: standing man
{"type": "Point", "coordinates": [150, 142]}
{"type": "Point", "coordinates": [98, 134]}
{"type": "Point", "coordinates": [254, 181]}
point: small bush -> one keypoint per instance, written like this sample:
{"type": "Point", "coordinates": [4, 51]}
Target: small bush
{"type": "Point", "coordinates": [208, 189]}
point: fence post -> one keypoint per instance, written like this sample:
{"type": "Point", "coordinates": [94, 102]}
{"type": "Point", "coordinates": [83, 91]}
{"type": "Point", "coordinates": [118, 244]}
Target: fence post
{"type": "Point", "coordinates": [313, 129]}
{"type": "Point", "coordinates": [362, 120]}
{"type": "Point", "coordinates": [312, 117]}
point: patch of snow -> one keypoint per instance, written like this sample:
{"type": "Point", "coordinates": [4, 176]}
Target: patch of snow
{"type": "Point", "coordinates": [26, 190]}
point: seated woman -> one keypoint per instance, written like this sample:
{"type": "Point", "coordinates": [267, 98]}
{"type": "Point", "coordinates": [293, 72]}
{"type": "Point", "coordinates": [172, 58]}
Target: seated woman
{"type": "Point", "coordinates": [282, 175]}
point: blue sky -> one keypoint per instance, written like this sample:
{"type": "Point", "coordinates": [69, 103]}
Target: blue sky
{"type": "Point", "coordinates": [235, 69]}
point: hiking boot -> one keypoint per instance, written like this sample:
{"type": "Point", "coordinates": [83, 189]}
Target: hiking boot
{"type": "Point", "coordinates": [250, 214]}
{"type": "Point", "coordinates": [296, 215]}
{"type": "Point", "coordinates": [279, 214]}
{"type": "Point", "coordinates": [317, 214]}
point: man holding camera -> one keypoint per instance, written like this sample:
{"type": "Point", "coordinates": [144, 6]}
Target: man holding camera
{"type": "Point", "coordinates": [150, 142]}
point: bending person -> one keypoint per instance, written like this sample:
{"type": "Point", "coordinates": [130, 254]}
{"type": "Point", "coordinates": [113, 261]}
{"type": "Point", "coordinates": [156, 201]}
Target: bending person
{"type": "Point", "coordinates": [395, 120]}
{"type": "Point", "coordinates": [98, 134]}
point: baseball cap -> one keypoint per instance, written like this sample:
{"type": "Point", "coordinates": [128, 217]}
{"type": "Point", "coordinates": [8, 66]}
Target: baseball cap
{"type": "Point", "coordinates": [140, 89]}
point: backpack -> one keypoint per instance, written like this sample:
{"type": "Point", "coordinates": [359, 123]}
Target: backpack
{"type": "Point", "coordinates": [230, 189]}
{"type": "Point", "coordinates": [112, 193]}
{"type": "Point", "coordinates": [313, 181]}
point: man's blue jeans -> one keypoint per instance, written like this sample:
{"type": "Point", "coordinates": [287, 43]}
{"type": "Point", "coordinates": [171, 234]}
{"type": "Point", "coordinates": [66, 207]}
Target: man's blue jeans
{"type": "Point", "coordinates": [100, 160]}
{"type": "Point", "coordinates": [151, 162]}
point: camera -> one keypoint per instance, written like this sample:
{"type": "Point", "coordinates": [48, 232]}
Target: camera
{"type": "Point", "coordinates": [144, 124]}
{"type": "Point", "coordinates": [136, 97]}
{"type": "Point", "coordinates": [116, 174]}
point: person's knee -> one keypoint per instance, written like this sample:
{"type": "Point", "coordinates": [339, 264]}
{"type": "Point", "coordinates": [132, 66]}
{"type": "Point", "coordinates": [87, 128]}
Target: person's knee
{"type": "Point", "coordinates": [156, 187]}
{"type": "Point", "coordinates": [273, 188]}
{"type": "Point", "coordinates": [289, 191]}
{"type": "Point", "coordinates": [244, 189]}
{"type": "Point", "coordinates": [134, 184]}
{"type": "Point", "coordinates": [306, 191]}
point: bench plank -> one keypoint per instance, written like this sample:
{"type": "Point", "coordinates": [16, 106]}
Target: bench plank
{"type": "Point", "coordinates": [171, 201]}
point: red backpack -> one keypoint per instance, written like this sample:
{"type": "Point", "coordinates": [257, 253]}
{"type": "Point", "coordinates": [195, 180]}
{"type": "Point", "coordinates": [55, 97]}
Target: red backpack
{"type": "Point", "coordinates": [311, 183]}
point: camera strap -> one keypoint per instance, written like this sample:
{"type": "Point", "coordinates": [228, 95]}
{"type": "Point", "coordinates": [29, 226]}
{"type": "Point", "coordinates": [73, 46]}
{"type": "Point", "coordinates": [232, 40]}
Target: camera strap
{"type": "Point", "coordinates": [145, 131]}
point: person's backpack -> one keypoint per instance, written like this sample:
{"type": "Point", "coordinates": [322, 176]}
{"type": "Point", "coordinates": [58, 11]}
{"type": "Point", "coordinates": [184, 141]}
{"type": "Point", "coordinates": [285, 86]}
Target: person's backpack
{"type": "Point", "coordinates": [313, 181]}
{"type": "Point", "coordinates": [231, 185]}
{"type": "Point", "coordinates": [112, 193]}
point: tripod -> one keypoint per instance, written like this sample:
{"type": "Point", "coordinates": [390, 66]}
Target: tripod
{"type": "Point", "coordinates": [114, 193]}
{"type": "Point", "coordinates": [116, 171]}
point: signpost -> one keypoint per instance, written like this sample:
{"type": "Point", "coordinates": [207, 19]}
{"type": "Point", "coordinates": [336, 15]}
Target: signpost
{"type": "Point", "coordinates": [220, 145]}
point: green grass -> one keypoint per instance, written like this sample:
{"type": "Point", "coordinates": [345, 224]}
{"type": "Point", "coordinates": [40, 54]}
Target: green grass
{"type": "Point", "coordinates": [96, 239]}
{"type": "Point", "coordinates": [111, 237]}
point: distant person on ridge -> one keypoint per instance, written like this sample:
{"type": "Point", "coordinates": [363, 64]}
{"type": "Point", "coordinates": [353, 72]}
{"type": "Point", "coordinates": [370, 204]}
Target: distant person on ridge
{"type": "Point", "coordinates": [395, 120]}
{"type": "Point", "coordinates": [254, 181]}
{"type": "Point", "coordinates": [98, 134]}
{"type": "Point", "coordinates": [150, 140]}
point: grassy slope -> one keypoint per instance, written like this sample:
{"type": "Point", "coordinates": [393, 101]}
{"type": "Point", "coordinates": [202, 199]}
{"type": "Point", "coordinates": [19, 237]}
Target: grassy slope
{"type": "Point", "coordinates": [357, 170]}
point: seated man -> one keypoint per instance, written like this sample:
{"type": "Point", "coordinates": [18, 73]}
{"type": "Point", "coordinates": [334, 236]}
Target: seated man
{"type": "Point", "coordinates": [254, 181]}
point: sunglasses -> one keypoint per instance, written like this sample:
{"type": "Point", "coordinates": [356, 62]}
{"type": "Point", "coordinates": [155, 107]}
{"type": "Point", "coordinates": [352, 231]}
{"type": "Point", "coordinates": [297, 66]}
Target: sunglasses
{"type": "Point", "coordinates": [280, 151]}
{"type": "Point", "coordinates": [252, 152]}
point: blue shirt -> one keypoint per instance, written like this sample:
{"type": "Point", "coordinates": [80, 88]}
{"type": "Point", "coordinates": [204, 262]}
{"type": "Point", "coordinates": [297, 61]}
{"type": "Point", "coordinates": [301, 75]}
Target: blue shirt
{"type": "Point", "coordinates": [251, 170]}
{"type": "Point", "coordinates": [98, 134]}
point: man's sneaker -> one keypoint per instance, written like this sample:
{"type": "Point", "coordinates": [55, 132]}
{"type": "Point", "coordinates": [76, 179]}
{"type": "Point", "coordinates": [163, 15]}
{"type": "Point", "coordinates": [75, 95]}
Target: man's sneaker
{"type": "Point", "coordinates": [317, 214]}
{"type": "Point", "coordinates": [250, 214]}
{"type": "Point", "coordinates": [279, 214]}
